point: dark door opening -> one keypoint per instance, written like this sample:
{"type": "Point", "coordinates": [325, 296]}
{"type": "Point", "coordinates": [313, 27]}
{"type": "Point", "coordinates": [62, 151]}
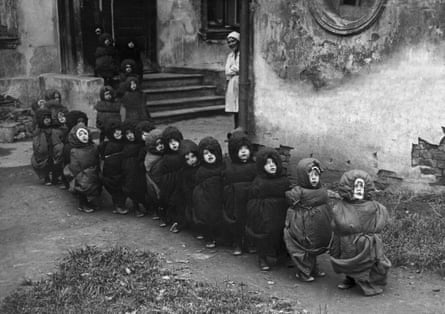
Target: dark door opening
{"type": "Point", "coordinates": [124, 19]}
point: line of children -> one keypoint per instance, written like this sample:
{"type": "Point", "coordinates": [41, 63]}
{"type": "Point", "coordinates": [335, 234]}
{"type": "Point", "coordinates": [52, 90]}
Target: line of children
{"type": "Point", "coordinates": [244, 200]}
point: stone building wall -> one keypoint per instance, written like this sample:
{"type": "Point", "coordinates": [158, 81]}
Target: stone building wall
{"type": "Point", "coordinates": [352, 101]}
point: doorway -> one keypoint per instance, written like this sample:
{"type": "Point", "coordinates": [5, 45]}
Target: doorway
{"type": "Point", "coordinates": [124, 19]}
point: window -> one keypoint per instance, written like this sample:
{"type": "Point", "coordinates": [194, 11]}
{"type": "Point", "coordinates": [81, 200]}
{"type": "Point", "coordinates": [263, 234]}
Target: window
{"type": "Point", "coordinates": [346, 17]}
{"type": "Point", "coordinates": [219, 17]}
{"type": "Point", "coordinates": [223, 13]}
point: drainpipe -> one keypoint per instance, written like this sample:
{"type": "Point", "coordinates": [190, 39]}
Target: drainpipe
{"type": "Point", "coordinates": [244, 84]}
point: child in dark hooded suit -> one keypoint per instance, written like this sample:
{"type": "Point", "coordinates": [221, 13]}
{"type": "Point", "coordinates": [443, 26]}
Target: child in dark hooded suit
{"type": "Point", "coordinates": [106, 65]}
{"type": "Point", "coordinates": [208, 192]}
{"type": "Point", "coordinates": [189, 153]}
{"type": "Point", "coordinates": [127, 70]}
{"type": "Point", "coordinates": [134, 102]}
{"type": "Point", "coordinates": [47, 146]}
{"type": "Point", "coordinates": [111, 154]}
{"type": "Point", "coordinates": [266, 208]}
{"type": "Point", "coordinates": [132, 167]}
{"type": "Point", "coordinates": [171, 164]}
{"type": "Point", "coordinates": [130, 50]}
{"type": "Point", "coordinates": [107, 109]}
{"type": "Point", "coordinates": [154, 149]}
{"type": "Point", "coordinates": [357, 249]}
{"type": "Point", "coordinates": [83, 169]}
{"type": "Point", "coordinates": [307, 231]}
{"type": "Point", "coordinates": [239, 172]}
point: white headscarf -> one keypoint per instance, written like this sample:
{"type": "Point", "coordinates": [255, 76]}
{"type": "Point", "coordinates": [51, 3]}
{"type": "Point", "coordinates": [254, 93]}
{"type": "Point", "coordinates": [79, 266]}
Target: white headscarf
{"type": "Point", "coordinates": [234, 35]}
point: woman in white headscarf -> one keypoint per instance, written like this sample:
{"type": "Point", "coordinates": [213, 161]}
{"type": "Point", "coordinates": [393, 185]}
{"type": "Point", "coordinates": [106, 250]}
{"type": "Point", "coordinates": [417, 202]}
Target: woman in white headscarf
{"type": "Point", "coordinates": [232, 75]}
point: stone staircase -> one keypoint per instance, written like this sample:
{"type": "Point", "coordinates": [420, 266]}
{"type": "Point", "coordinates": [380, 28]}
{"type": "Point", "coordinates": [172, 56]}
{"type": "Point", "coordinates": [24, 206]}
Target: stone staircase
{"type": "Point", "coordinates": [175, 96]}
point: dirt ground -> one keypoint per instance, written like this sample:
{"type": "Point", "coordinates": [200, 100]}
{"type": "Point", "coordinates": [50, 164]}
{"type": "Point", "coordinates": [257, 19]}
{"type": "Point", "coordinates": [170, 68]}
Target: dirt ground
{"type": "Point", "coordinates": [39, 224]}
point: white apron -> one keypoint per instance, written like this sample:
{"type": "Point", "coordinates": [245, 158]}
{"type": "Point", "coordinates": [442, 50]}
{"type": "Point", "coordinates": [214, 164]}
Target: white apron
{"type": "Point", "coordinates": [232, 77]}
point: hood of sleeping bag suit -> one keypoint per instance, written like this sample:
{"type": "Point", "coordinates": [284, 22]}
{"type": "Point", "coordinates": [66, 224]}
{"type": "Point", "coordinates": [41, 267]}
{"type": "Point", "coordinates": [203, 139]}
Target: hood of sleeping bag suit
{"type": "Point", "coordinates": [169, 133]}
{"type": "Point", "coordinates": [261, 158]}
{"type": "Point", "coordinates": [130, 125]}
{"type": "Point", "coordinates": [144, 126]}
{"type": "Point", "coordinates": [50, 94]}
{"type": "Point", "coordinates": [188, 146]}
{"type": "Point", "coordinates": [132, 78]}
{"type": "Point", "coordinates": [74, 141]}
{"type": "Point", "coordinates": [211, 144]}
{"type": "Point", "coordinates": [302, 170]}
{"type": "Point", "coordinates": [236, 141]}
{"type": "Point", "coordinates": [74, 117]}
{"type": "Point", "coordinates": [346, 186]}
{"type": "Point", "coordinates": [40, 115]}
{"type": "Point", "coordinates": [150, 141]}
{"type": "Point", "coordinates": [126, 62]}
{"type": "Point", "coordinates": [111, 126]}
{"type": "Point", "coordinates": [104, 37]}
{"type": "Point", "coordinates": [107, 88]}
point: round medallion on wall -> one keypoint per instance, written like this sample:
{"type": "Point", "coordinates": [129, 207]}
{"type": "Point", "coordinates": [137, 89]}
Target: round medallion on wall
{"type": "Point", "coordinates": [346, 17]}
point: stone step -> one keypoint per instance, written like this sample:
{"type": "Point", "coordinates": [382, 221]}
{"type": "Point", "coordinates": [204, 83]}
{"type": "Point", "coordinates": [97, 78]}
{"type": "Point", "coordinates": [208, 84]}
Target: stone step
{"type": "Point", "coordinates": [179, 92]}
{"type": "Point", "coordinates": [186, 113]}
{"type": "Point", "coordinates": [152, 80]}
{"type": "Point", "coordinates": [184, 103]}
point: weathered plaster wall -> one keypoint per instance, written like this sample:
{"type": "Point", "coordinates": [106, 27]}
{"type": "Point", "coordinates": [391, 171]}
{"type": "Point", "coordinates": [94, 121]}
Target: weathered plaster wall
{"type": "Point", "coordinates": [38, 51]}
{"type": "Point", "coordinates": [37, 30]}
{"type": "Point", "coordinates": [179, 44]}
{"type": "Point", "coordinates": [356, 101]}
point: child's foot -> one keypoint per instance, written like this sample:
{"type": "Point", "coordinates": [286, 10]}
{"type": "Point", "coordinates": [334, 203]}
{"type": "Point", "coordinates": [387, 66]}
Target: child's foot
{"type": "Point", "coordinates": [47, 181]}
{"type": "Point", "coordinates": [304, 277]}
{"type": "Point", "coordinates": [139, 214]}
{"type": "Point", "coordinates": [211, 244]}
{"type": "Point", "coordinates": [251, 250]}
{"type": "Point", "coordinates": [263, 264]}
{"type": "Point", "coordinates": [155, 217]}
{"type": "Point", "coordinates": [89, 208]}
{"type": "Point", "coordinates": [237, 251]}
{"type": "Point", "coordinates": [319, 273]}
{"type": "Point", "coordinates": [120, 210]}
{"type": "Point", "coordinates": [200, 237]}
{"type": "Point", "coordinates": [162, 224]}
{"type": "Point", "coordinates": [174, 228]}
{"type": "Point", "coordinates": [347, 283]}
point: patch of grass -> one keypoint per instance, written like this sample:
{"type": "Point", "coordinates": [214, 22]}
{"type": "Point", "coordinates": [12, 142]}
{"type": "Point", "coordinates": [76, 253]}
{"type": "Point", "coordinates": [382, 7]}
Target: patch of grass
{"type": "Point", "coordinates": [415, 235]}
{"type": "Point", "coordinates": [119, 280]}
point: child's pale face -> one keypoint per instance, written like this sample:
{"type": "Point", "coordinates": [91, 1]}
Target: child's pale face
{"type": "Point", "coordinates": [359, 189]}
{"type": "Point", "coordinates": [82, 135]}
{"type": "Point", "coordinates": [270, 167]}
{"type": "Point", "coordinates": [117, 134]}
{"type": "Point", "coordinates": [208, 156]}
{"type": "Point", "coordinates": [130, 44]}
{"type": "Point", "coordinates": [145, 136]}
{"type": "Point", "coordinates": [41, 103]}
{"type": "Point", "coordinates": [159, 145]}
{"type": "Point", "coordinates": [107, 42]}
{"type": "Point", "coordinates": [133, 85]}
{"type": "Point", "coordinates": [244, 153]}
{"type": "Point", "coordinates": [191, 159]}
{"type": "Point", "coordinates": [47, 121]}
{"type": "Point", "coordinates": [128, 68]}
{"type": "Point", "coordinates": [314, 176]}
{"type": "Point", "coordinates": [61, 117]}
{"type": "Point", "coordinates": [173, 144]}
{"type": "Point", "coordinates": [130, 136]}
{"type": "Point", "coordinates": [108, 96]}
